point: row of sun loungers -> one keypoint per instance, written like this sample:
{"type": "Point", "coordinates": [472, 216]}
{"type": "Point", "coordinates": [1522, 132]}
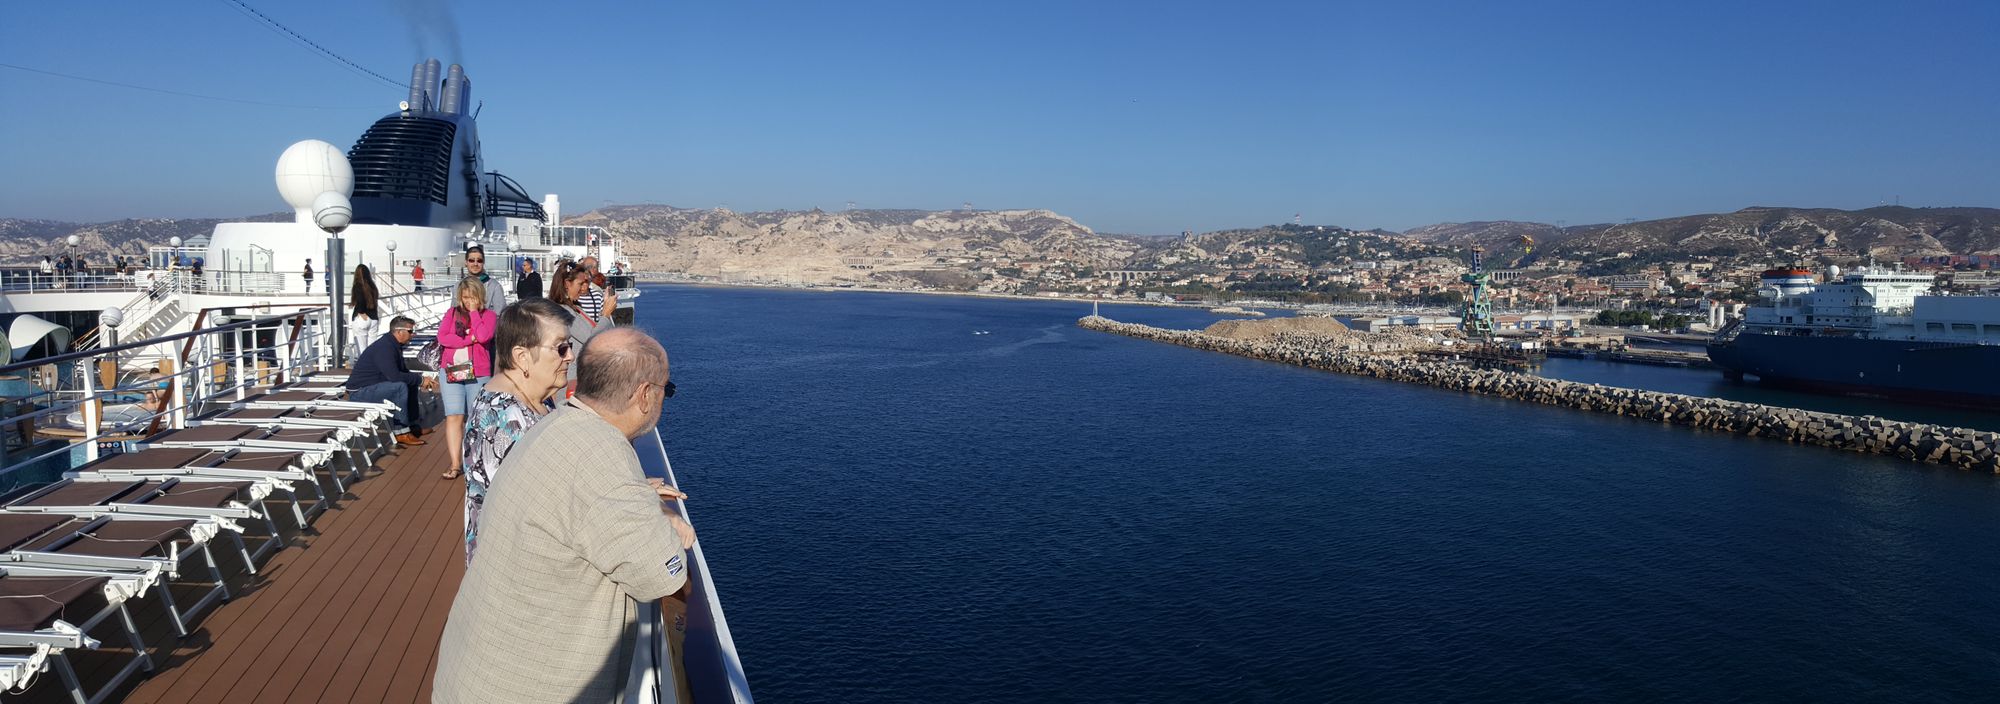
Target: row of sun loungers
{"type": "Point", "coordinates": [77, 552]}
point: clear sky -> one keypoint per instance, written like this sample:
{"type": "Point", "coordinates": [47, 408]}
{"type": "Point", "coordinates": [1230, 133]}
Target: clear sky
{"type": "Point", "coordinates": [1142, 117]}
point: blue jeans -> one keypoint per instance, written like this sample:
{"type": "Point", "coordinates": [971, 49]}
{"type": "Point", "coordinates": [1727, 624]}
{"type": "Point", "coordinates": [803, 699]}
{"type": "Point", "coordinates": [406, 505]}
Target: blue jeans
{"type": "Point", "coordinates": [459, 395]}
{"type": "Point", "coordinates": [409, 410]}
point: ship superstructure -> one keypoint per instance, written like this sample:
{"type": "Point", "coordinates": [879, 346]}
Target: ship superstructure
{"type": "Point", "coordinates": [419, 192]}
{"type": "Point", "coordinates": [1872, 331]}
{"type": "Point", "coordinates": [204, 331]}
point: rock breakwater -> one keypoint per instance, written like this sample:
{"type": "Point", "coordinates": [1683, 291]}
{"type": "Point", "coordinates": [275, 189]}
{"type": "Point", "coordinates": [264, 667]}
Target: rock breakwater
{"type": "Point", "coordinates": [1956, 447]}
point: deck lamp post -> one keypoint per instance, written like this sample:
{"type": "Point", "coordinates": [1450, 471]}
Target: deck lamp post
{"type": "Point", "coordinates": [392, 263]}
{"type": "Point", "coordinates": [331, 212]}
{"type": "Point", "coordinates": [75, 272]}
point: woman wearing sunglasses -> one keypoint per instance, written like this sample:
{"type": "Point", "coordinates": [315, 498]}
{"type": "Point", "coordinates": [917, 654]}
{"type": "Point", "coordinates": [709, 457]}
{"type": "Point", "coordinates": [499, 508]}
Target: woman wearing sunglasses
{"type": "Point", "coordinates": [533, 355]}
{"type": "Point", "coordinates": [568, 289]}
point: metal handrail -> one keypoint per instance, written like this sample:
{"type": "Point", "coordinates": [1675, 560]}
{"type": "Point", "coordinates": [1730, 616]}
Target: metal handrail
{"type": "Point", "coordinates": [194, 384]}
{"type": "Point", "coordinates": [85, 354]}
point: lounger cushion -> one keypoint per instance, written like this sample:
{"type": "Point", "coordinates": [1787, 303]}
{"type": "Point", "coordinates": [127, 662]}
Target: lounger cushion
{"type": "Point", "coordinates": [339, 415]}
{"type": "Point", "coordinates": [254, 413]}
{"type": "Point", "coordinates": [20, 610]}
{"type": "Point", "coordinates": [264, 461]}
{"type": "Point", "coordinates": [74, 493]}
{"type": "Point", "coordinates": [311, 435]}
{"type": "Point", "coordinates": [125, 538]}
{"type": "Point", "coordinates": [18, 529]}
{"type": "Point", "coordinates": [207, 433]}
{"type": "Point", "coordinates": [292, 397]}
{"type": "Point", "coordinates": [202, 494]}
{"type": "Point", "coordinates": [151, 458]}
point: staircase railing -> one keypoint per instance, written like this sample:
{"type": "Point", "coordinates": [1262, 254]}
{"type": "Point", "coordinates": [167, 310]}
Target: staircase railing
{"type": "Point", "coordinates": [142, 309]}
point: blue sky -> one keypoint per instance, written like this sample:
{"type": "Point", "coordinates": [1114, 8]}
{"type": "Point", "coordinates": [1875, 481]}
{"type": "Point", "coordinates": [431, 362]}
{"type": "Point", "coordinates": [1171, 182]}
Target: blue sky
{"type": "Point", "coordinates": [1143, 117]}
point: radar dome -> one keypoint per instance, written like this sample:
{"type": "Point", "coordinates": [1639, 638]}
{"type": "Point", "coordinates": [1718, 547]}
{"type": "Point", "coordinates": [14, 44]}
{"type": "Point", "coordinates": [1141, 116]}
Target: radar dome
{"type": "Point", "coordinates": [310, 168]}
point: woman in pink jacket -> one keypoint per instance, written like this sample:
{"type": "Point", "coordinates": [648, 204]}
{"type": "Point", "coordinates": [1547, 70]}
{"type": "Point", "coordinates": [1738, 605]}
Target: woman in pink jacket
{"type": "Point", "coordinates": [463, 335]}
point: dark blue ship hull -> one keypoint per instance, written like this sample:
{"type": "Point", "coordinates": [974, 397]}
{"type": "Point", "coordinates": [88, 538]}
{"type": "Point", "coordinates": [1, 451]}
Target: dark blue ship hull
{"type": "Point", "coordinates": [1932, 372]}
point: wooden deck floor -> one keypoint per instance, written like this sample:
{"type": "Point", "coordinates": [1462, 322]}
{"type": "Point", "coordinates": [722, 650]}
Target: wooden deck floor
{"type": "Point", "coordinates": [351, 612]}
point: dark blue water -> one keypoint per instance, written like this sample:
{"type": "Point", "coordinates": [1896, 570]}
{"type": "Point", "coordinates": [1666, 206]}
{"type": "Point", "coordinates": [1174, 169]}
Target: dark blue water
{"type": "Point", "coordinates": [898, 510]}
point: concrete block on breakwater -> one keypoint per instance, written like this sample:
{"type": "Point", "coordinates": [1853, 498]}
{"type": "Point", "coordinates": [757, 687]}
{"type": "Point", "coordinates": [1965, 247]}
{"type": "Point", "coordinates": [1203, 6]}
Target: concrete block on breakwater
{"type": "Point", "coordinates": [1957, 447]}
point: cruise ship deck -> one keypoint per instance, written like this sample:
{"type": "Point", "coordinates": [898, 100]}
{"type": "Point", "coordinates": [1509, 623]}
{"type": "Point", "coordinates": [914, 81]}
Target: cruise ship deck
{"type": "Point", "coordinates": [350, 612]}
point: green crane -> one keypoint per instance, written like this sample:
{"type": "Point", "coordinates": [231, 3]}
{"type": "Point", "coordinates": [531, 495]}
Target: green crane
{"type": "Point", "coordinates": [1476, 321]}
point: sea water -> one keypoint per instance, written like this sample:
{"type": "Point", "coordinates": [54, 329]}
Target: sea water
{"type": "Point", "coordinates": [896, 509]}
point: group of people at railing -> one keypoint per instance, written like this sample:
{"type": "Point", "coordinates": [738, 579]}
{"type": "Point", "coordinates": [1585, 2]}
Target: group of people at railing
{"type": "Point", "coordinates": [541, 399]}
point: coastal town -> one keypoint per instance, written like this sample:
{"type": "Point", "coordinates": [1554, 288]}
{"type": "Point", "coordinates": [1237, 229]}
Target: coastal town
{"type": "Point", "coordinates": [1332, 268]}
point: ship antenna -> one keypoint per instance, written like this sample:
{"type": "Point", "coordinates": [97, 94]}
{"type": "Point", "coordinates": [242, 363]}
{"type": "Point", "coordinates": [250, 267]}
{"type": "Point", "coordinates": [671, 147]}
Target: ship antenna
{"type": "Point", "coordinates": [475, 110]}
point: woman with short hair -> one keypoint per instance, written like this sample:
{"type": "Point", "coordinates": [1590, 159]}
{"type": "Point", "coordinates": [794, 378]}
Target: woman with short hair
{"type": "Point", "coordinates": [533, 355]}
{"type": "Point", "coordinates": [463, 336]}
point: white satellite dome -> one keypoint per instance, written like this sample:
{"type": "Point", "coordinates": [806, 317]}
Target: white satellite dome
{"type": "Point", "coordinates": [310, 168]}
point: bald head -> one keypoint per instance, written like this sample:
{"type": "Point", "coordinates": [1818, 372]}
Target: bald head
{"type": "Point", "coordinates": [615, 363]}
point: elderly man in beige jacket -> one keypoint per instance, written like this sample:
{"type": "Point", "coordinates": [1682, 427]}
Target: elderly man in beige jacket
{"type": "Point", "coordinates": [572, 538]}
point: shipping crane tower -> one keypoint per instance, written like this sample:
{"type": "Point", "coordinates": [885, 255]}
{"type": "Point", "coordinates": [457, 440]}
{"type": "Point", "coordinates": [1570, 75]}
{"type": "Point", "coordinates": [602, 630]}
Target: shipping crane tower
{"type": "Point", "coordinates": [1477, 319]}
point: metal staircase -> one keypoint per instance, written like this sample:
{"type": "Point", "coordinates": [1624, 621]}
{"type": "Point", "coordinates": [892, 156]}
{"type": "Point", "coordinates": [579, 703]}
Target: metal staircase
{"type": "Point", "coordinates": [151, 313]}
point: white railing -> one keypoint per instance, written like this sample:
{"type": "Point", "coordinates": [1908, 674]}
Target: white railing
{"type": "Point", "coordinates": [708, 670]}
{"type": "Point", "coordinates": [15, 281]}
{"type": "Point", "coordinates": [213, 366]}
{"type": "Point", "coordinates": [158, 295]}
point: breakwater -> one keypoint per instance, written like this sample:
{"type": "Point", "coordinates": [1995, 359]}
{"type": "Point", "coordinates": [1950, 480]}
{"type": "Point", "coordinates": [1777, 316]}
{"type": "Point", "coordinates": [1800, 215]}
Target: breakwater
{"type": "Point", "coordinates": [1956, 447]}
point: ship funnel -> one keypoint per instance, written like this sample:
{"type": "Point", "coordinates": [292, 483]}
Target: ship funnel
{"type": "Point", "coordinates": [417, 86]}
{"type": "Point", "coordinates": [431, 68]}
{"type": "Point", "coordinates": [452, 92]}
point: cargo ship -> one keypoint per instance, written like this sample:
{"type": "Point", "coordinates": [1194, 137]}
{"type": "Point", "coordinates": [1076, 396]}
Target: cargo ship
{"type": "Point", "coordinates": [1873, 331]}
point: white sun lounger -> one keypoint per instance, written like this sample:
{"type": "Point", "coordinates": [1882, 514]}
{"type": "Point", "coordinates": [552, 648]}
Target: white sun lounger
{"type": "Point", "coordinates": [137, 545]}
{"type": "Point", "coordinates": [35, 631]}
{"type": "Point", "coordinates": [94, 495]}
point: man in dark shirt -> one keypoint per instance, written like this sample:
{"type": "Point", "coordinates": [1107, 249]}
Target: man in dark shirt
{"type": "Point", "coordinates": [380, 375]}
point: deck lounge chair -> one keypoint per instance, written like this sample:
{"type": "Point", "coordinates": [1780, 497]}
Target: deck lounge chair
{"type": "Point", "coordinates": [47, 611]}
{"type": "Point", "coordinates": [94, 495]}
{"type": "Point", "coordinates": [319, 397]}
{"type": "Point", "coordinates": [134, 544]}
{"type": "Point", "coordinates": [269, 472]}
{"type": "Point", "coordinates": [354, 425]}
{"type": "Point", "coordinates": [319, 445]}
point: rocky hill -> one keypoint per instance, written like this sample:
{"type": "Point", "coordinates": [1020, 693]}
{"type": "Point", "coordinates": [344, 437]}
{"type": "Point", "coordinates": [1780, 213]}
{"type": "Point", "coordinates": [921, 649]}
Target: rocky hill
{"type": "Point", "coordinates": [958, 248]}
{"type": "Point", "coordinates": [27, 241]}
{"type": "Point", "coordinates": [823, 247]}
{"type": "Point", "coordinates": [1888, 232]}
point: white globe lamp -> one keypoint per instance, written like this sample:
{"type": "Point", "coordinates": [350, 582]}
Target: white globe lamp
{"type": "Point", "coordinates": [174, 241]}
{"type": "Point", "coordinates": [331, 212]}
{"type": "Point", "coordinates": [73, 240]}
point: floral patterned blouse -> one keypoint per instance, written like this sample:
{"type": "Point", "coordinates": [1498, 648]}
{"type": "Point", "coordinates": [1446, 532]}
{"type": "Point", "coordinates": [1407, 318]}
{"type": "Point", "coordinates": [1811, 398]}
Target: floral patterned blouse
{"type": "Point", "coordinates": [494, 423]}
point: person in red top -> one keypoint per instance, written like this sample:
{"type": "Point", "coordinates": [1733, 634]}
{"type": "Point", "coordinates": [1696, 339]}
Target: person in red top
{"type": "Point", "coordinates": [417, 275]}
{"type": "Point", "coordinates": [463, 335]}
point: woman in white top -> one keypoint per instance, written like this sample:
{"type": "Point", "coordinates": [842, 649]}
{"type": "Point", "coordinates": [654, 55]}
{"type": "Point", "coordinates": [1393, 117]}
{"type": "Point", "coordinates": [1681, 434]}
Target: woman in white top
{"type": "Point", "coordinates": [363, 305]}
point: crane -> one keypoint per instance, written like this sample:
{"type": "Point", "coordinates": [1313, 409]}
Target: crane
{"type": "Point", "coordinates": [1476, 321]}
